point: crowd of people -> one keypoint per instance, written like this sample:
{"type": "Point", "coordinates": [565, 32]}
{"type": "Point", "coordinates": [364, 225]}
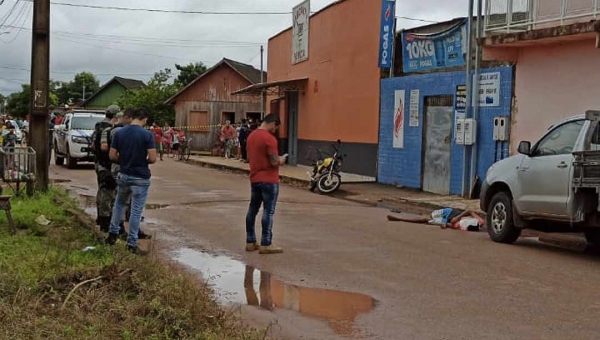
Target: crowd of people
{"type": "Point", "coordinates": [167, 140]}
{"type": "Point", "coordinates": [124, 149]}
{"type": "Point", "coordinates": [234, 138]}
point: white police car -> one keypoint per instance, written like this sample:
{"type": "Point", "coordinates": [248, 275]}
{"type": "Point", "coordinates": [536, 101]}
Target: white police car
{"type": "Point", "coordinates": [73, 138]}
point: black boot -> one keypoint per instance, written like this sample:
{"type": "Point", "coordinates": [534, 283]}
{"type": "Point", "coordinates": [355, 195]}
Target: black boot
{"type": "Point", "coordinates": [137, 251]}
{"type": "Point", "coordinates": [122, 232]}
{"type": "Point", "coordinates": [104, 223]}
{"type": "Point", "coordinates": [112, 239]}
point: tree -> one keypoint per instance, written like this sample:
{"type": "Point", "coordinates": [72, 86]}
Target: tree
{"type": "Point", "coordinates": [72, 91]}
{"type": "Point", "coordinates": [189, 73]}
{"type": "Point", "coordinates": [153, 98]}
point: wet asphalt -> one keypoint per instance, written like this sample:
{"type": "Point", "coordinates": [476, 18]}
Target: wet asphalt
{"type": "Point", "coordinates": [349, 273]}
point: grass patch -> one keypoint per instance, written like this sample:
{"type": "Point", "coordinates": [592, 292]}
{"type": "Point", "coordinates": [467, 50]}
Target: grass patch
{"type": "Point", "coordinates": [51, 289]}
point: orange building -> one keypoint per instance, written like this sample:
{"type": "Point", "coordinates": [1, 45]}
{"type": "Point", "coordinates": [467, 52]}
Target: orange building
{"type": "Point", "coordinates": [334, 94]}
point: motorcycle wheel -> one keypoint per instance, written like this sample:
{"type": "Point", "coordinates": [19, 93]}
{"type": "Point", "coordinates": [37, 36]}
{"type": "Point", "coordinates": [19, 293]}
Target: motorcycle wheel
{"type": "Point", "coordinates": [328, 184]}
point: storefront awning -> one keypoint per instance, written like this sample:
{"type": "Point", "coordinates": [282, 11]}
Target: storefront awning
{"type": "Point", "coordinates": [273, 88]}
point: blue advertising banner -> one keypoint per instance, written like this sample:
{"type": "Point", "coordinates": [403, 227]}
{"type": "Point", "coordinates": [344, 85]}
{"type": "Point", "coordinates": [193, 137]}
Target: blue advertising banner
{"type": "Point", "coordinates": [424, 52]}
{"type": "Point", "coordinates": [386, 44]}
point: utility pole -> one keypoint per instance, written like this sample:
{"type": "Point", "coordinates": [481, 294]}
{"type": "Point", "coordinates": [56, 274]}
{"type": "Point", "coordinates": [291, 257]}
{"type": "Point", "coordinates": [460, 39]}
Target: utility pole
{"type": "Point", "coordinates": [476, 87]}
{"type": "Point", "coordinates": [469, 106]}
{"type": "Point", "coordinates": [262, 81]}
{"type": "Point", "coordinates": [40, 83]}
{"type": "Point", "coordinates": [83, 92]}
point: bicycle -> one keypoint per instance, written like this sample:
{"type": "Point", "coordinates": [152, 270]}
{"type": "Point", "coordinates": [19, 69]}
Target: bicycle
{"type": "Point", "coordinates": [185, 151]}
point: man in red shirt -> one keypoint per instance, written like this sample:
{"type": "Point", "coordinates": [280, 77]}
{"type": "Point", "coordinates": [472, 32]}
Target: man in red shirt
{"type": "Point", "coordinates": [157, 131]}
{"type": "Point", "coordinates": [264, 178]}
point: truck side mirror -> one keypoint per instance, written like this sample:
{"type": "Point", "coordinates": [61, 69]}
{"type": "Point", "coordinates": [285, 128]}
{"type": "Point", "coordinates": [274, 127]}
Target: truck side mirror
{"type": "Point", "coordinates": [525, 148]}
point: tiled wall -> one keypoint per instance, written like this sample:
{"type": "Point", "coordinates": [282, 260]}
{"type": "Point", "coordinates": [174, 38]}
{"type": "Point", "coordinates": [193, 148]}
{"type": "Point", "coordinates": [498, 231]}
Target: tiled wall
{"type": "Point", "coordinates": [403, 166]}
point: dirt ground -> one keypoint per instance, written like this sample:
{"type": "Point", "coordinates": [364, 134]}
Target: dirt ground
{"type": "Point", "coordinates": [349, 273]}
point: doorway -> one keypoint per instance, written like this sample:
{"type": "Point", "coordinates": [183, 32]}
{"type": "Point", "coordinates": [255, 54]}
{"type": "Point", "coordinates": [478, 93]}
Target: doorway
{"type": "Point", "coordinates": [437, 142]}
{"type": "Point", "coordinates": [292, 119]}
{"type": "Point", "coordinates": [253, 116]}
{"type": "Point", "coordinates": [228, 116]}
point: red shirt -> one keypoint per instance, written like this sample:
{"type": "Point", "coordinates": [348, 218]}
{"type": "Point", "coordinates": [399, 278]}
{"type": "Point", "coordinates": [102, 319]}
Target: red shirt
{"type": "Point", "coordinates": [158, 134]}
{"type": "Point", "coordinates": [260, 145]}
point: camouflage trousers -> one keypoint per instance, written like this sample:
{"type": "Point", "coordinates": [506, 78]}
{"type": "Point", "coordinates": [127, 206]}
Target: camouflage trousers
{"type": "Point", "coordinates": [105, 198]}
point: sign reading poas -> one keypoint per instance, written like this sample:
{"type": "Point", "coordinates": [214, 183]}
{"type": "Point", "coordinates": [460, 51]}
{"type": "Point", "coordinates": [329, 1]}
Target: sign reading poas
{"type": "Point", "coordinates": [300, 33]}
{"type": "Point", "coordinates": [386, 44]}
{"type": "Point", "coordinates": [423, 52]}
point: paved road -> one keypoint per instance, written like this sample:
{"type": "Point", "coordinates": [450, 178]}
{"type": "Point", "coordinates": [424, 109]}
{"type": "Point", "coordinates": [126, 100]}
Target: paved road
{"type": "Point", "coordinates": [426, 283]}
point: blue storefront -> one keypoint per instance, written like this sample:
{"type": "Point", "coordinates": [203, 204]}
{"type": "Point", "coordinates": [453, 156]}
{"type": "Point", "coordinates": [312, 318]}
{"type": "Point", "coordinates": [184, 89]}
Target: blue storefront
{"type": "Point", "coordinates": [417, 142]}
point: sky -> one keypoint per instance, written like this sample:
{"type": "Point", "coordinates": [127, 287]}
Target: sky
{"type": "Point", "coordinates": [137, 44]}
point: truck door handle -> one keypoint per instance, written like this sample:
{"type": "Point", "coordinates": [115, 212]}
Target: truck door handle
{"type": "Point", "coordinates": [562, 165]}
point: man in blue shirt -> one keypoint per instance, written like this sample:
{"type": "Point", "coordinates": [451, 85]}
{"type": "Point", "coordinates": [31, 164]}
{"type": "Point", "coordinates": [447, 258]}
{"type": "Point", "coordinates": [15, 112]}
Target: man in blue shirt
{"type": "Point", "coordinates": [133, 148]}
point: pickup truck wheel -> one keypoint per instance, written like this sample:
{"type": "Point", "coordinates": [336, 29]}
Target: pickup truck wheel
{"type": "Point", "coordinates": [71, 162]}
{"type": "Point", "coordinates": [501, 226]}
{"type": "Point", "coordinates": [58, 160]}
{"type": "Point", "coordinates": [592, 236]}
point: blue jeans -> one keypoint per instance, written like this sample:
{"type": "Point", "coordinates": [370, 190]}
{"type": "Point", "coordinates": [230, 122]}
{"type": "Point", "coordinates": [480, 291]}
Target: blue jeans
{"type": "Point", "coordinates": [264, 194]}
{"type": "Point", "coordinates": [136, 189]}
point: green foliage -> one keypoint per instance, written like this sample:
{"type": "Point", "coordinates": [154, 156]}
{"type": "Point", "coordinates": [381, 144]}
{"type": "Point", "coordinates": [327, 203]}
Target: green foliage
{"type": "Point", "coordinates": [72, 91]}
{"type": "Point", "coordinates": [188, 73]}
{"type": "Point", "coordinates": [153, 98]}
{"type": "Point", "coordinates": [61, 93]}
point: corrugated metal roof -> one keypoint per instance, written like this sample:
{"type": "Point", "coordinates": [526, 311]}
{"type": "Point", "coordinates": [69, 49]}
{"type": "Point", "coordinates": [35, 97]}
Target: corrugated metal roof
{"type": "Point", "coordinates": [249, 72]}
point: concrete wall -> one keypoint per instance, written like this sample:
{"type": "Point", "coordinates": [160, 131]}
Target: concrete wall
{"type": "Point", "coordinates": [404, 166]}
{"type": "Point", "coordinates": [341, 99]}
{"type": "Point", "coordinates": [552, 82]}
{"type": "Point", "coordinates": [212, 93]}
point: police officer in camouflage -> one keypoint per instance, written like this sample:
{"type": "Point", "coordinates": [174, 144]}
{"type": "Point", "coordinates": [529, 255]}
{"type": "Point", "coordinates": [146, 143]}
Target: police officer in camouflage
{"type": "Point", "coordinates": [107, 185]}
{"type": "Point", "coordinates": [123, 119]}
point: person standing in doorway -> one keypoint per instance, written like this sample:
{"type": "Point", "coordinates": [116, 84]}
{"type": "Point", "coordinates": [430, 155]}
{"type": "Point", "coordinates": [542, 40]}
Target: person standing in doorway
{"type": "Point", "coordinates": [228, 134]}
{"type": "Point", "coordinates": [264, 178]}
{"type": "Point", "coordinates": [243, 135]}
{"type": "Point", "coordinates": [134, 149]}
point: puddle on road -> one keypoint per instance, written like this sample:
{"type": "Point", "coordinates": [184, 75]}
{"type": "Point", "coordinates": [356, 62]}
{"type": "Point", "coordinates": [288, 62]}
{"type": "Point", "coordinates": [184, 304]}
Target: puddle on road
{"type": "Point", "coordinates": [240, 284]}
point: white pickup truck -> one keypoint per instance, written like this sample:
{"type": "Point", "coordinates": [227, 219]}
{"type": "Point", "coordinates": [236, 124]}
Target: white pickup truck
{"type": "Point", "coordinates": [552, 186]}
{"type": "Point", "coordinates": [73, 139]}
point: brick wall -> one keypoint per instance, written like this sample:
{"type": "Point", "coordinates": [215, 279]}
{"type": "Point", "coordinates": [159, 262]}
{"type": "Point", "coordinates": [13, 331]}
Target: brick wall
{"type": "Point", "coordinates": [403, 166]}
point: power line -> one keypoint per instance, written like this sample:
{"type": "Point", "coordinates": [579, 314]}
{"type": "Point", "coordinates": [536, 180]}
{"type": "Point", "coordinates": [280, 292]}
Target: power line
{"type": "Point", "coordinates": [416, 19]}
{"type": "Point", "coordinates": [155, 10]}
{"type": "Point", "coordinates": [104, 47]}
{"type": "Point", "coordinates": [188, 42]}
{"type": "Point", "coordinates": [75, 72]}
{"type": "Point", "coordinates": [24, 10]}
{"type": "Point", "coordinates": [165, 10]}
{"type": "Point", "coordinates": [10, 12]}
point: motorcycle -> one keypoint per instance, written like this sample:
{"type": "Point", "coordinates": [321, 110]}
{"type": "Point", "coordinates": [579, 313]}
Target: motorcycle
{"type": "Point", "coordinates": [326, 171]}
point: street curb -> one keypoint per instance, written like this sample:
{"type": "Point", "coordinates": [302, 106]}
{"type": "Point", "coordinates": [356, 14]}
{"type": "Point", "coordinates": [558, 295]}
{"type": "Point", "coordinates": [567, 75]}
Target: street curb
{"type": "Point", "coordinates": [391, 203]}
{"type": "Point", "coordinates": [83, 219]}
{"type": "Point", "coordinates": [295, 182]}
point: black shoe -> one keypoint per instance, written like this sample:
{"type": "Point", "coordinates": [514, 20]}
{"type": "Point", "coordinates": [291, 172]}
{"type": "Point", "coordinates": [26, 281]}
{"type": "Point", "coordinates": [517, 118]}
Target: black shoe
{"type": "Point", "coordinates": [105, 228]}
{"type": "Point", "coordinates": [112, 239]}
{"type": "Point", "coordinates": [122, 233]}
{"type": "Point", "coordinates": [143, 236]}
{"type": "Point", "coordinates": [137, 251]}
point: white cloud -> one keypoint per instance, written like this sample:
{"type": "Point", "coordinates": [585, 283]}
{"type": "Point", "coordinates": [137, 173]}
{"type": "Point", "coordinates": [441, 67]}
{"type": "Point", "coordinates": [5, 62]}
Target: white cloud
{"type": "Point", "coordinates": [74, 54]}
